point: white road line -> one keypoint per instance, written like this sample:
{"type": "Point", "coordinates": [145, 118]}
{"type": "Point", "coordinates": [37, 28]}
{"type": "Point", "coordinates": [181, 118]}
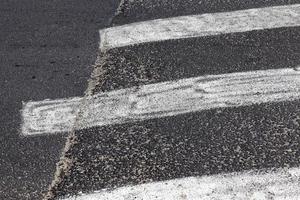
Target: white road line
{"type": "Point", "coordinates": [200, 25]}
{"type": "Point", "coordinates": [277, 185]}
{"type": "Point", "coordinates": [49, 116]}
{"type": "Point", "coordinates": [162, 100]}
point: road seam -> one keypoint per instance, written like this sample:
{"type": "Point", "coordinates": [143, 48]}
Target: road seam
{"type": "Point", "coordinates": [65, 163]}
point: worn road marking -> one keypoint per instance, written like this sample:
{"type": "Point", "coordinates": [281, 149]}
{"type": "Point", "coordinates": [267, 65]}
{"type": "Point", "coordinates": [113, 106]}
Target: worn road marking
{"type": "Point", "coordinates": [200, 25]}
{"type": "Point", "coordinates": [162, 100]}
{"type": "Point", "coordinates": [277, 185]}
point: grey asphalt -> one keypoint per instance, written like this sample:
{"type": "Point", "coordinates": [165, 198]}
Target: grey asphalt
{"type": "Point", "coordinates": [47, 49]}
{"type": "Point", "coordinates": [207, 142]}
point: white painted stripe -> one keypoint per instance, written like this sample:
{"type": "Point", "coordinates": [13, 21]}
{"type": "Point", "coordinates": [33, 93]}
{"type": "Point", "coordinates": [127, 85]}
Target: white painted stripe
{"type": "Point", "coordinates": [50, 116]}
{"type": "Point", "coordinates": [200, 25]}
{"type": "Point", "coordinates": [162, 100]}
{"type": "Point", "coordinates": [277, 185]}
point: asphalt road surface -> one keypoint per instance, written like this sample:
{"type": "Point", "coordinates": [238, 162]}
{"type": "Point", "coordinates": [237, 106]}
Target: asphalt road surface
{"type": "Point", "coordinates": [47, 49]}
{"type": "Point", "coordinates": [148, 144]}
{"type": "Point", "coordinates": [186, 100]}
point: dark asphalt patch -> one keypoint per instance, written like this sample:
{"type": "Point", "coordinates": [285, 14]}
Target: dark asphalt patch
{"type": "Point", "coordinates": [47, 49]}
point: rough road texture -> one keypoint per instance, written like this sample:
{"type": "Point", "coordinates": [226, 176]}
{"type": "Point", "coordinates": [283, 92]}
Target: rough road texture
{"type": "Point", "coordinates": [47, 49]}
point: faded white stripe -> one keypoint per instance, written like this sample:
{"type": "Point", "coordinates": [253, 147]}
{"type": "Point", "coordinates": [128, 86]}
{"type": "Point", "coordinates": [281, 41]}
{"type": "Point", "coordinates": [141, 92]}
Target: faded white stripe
{"type": "Point", "coordinates": [276, 185]}
{"type": "Point", "coordinates": [163, 99]}
{"type": "Point", "coordinates": [200, 25]}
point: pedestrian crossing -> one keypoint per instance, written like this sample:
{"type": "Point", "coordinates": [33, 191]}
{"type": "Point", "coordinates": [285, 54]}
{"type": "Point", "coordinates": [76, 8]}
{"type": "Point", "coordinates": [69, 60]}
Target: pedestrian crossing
{"type": "Point", "coordinates": [193, 107]}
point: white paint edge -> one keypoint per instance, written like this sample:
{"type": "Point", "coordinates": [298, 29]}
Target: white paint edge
{"type": "Point", "coordinates": [251, 185]}
{"type": "Point", "coordinates": [200, 25]}
{"type": "Point", "coordinates": [162, 100]}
